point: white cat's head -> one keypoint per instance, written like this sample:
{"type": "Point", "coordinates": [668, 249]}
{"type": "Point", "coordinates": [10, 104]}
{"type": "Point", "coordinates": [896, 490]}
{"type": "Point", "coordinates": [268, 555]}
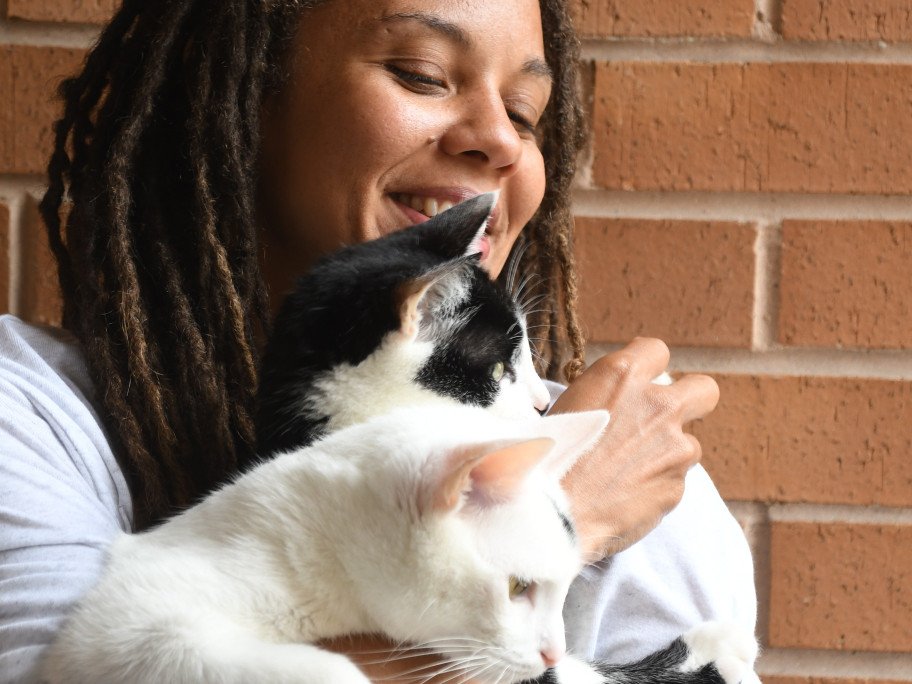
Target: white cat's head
{"type": "Point", "coordinates": [469, 550]}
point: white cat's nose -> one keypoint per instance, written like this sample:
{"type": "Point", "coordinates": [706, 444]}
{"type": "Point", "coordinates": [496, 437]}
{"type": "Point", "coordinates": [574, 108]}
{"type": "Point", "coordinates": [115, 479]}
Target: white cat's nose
{"type": "Point", "coordinates": [551, 656]}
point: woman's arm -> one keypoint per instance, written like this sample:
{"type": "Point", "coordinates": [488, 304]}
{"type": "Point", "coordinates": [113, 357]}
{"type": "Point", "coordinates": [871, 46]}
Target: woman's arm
{"type": "Point", "coordinates": [62, 496]}
{"type": "Point", "coordinates": [635, 475]}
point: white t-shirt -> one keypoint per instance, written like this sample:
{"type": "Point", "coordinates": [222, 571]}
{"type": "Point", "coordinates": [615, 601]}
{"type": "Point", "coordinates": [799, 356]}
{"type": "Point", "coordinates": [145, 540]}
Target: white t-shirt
{"type": "Point", "coordinates": [63, 498]}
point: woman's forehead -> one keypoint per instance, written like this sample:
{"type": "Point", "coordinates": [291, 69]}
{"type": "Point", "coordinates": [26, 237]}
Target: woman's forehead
{"type": "Point", "coordinates": [511, 25]}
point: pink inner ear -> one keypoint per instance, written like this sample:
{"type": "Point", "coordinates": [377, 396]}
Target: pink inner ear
{"type": "Point", "coordinates": [408, 296]}
{"type": "Point", "coordinates": [489, 472]}
{"type": "Point", "coordinates": [475, 246]}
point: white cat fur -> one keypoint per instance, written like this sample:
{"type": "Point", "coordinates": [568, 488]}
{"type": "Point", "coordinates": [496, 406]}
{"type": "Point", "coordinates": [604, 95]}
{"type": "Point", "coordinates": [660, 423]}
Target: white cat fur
{"type": "Point", "coordinates": [354, 534]}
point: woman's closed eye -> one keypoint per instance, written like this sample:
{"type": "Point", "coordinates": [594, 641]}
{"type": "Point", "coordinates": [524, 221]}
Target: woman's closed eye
{"type": "Point", "coordinates": [416, 80]}
{"type": "Point", "coordinates": [421, 82]}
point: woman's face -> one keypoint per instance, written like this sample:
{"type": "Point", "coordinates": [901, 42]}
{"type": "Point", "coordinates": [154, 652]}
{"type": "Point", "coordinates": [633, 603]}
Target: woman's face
{"type": "Point", "coordinates": [394, 109]}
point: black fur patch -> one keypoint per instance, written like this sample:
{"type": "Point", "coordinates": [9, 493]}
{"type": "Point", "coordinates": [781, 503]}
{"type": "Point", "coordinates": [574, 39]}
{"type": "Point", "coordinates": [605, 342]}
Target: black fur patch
{"type": "Point", "coordinates": [342, 310]}
{"type": "Point", "coordinates": [657, 668]}
{"type": "Point", "coordinates": [483, 331]}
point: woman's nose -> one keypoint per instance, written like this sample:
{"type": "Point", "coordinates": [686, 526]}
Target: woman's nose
{"type": "Point", "coordinates": [485, 131]}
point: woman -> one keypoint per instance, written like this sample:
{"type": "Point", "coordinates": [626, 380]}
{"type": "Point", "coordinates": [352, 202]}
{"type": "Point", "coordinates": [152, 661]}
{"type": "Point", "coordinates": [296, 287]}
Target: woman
{"type": "Point", "coordinates": [212, 150]}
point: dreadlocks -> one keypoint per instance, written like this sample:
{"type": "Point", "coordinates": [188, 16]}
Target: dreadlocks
{"type": "Point", "coordinates": [157, 150]}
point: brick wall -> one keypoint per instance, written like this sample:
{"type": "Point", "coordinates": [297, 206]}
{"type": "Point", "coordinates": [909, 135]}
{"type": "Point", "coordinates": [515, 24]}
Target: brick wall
{"type": "Point", "coordinates": [747, 199]}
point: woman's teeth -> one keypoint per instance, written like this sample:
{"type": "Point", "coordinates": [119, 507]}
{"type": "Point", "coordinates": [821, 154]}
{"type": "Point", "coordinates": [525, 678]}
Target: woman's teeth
{"type": "Point", "coordinates": [428, 206]}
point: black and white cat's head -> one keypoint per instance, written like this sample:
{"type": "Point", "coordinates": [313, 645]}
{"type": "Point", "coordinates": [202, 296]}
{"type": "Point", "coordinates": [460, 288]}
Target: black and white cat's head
{"type": "Point", "coordinates": [402, 320]}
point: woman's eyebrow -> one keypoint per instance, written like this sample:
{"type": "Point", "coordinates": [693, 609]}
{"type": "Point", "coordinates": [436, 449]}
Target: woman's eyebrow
{"type": "Point", "coordinates": [533, 66]}
{"type": "Point", "coordinates": [432, 21]}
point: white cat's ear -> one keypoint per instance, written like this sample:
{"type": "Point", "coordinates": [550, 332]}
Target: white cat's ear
{"type": "Point", "coordinates": [574, 434]}
{"type": "Point", "coordinates": [415, 299]}
{"type": "Point", "coordinates": [488, 472]}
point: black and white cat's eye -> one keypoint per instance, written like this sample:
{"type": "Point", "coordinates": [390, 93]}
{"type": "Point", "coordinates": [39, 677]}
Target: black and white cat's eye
{"type": "Point", "coordinates": [497, 371]}
{"type": "Point", "coordinates": [518, 586]}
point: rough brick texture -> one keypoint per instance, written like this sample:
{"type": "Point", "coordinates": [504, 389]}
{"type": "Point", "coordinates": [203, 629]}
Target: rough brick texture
{"type": "Point", "coordinates": [886, 20]}
{"type": "Point", "coordinates": [753, 127]}
{"type": "Point", "coordinates": [846, 284]}
{"type": "Point", "coordinates": [4, 258]}
{"type": "Point", "coordinates": [841, 586]}
{"type": "Point", "coordinates": [690, 283]}
{"type": "Point", "coordinates": [605, 18]}
{"type": "Point", "coordinates": [30, 75]}
{"type": "Point", "coordinates": [76, 11]}
{"type": "Point", "coordinates": [40, 296]}
{"type": "Point", "coordinates": [818, 440]}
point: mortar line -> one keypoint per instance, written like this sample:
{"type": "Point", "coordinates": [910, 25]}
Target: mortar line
{"type": "Point", "coordinates": [862, 514]}
{"type": "Point", "coordinates": [740, 206]}
{"type": "Point", "coordinates": [743, 50]}
{"type": "Point", "coordinates": [47, 34]}
{"type": "Point", "coordinates": [13, 185]}
{"type": "Point", "coordinates": [767, 20]}
{"type": "Point", "coordinates": [767, 250]}
{"type": "Point", "coordinates": [837, 664]}
{"type": "Point", "coordinates": [16, 206]}
{"type": "Point", "coordinates": [794, 362]}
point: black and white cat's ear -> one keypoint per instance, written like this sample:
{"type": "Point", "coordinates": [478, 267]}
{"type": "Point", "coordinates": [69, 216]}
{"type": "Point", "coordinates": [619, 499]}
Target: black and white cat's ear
{"type": "Point", "coordinates": [458, 231]}
{"type": "Point", "coordinates": [442, 288]}
{"type": "Point", "coordinates": [489, 472]}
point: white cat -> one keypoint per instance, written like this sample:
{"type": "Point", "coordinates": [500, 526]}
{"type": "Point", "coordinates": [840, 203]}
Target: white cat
{"type": "Point", "coordinates": [442, 526]}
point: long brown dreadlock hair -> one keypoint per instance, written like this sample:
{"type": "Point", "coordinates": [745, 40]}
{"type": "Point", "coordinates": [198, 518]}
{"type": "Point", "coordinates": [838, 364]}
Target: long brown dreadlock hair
{"type": "Point", "coordinates": [157, 150]}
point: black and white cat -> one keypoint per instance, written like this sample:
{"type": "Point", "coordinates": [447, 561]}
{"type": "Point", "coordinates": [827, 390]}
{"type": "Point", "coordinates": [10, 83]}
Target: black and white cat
{"type": "Point", "coordinates": [408, 319]}
{"type": "Point", "coordinates": [440, 523]}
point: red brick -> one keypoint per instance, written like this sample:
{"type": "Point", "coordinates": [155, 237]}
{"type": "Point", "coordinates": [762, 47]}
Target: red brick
{"type": "Point", "coordinates": [661, 18]}
{"type": "Point", "coordinates": [841, 586]}
{"type": "Point", "coordinates": [817, 440]}
{"type": "Point", "coordinates": [30, 75]}
{"type": "Point", "coordinates": [4, 258]}
{"type": "Point", "coordinates": [782, 127]}
{"type": "Point", "coordinates": [846, 284]}
{"type": "Point", "coordinates": [886, 20]}
{"type": "Point", "coordinates": [73, 11]}
{"type": "Point", "coordinates": [687, 282]}
{"type": "Point", "coordinates": [41, 301]}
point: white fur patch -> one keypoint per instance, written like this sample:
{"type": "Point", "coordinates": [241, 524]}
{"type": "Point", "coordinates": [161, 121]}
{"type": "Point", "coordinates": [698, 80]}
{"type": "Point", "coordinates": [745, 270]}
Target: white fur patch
{"type": "Point", "coordinates": [728, 646]}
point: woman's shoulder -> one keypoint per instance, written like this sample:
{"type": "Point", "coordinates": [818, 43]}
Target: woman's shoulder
{"type": "Point", "coordinates": [48, 419]}
{"type": "Point", "coordinates": [37, 352]}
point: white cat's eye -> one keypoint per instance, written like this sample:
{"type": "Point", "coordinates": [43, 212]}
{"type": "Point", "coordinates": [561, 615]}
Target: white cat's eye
{"type": "Point", "coordinates": [518, 586]}
{"type": "Point", "coordinates": [497, 371]}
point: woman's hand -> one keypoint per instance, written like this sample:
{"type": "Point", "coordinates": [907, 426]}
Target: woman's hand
{"type": "Point", "coordinates": [380, 660]}
{"type": "Point", "coordinates": [635, 474]}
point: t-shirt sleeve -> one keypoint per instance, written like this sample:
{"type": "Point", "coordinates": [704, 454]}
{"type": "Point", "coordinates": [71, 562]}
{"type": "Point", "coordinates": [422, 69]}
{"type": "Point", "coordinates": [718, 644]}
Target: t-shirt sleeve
{"type": "Point", "coordinates": [62, 499]}
{"type": "Point", "coordinates": [695, 566]}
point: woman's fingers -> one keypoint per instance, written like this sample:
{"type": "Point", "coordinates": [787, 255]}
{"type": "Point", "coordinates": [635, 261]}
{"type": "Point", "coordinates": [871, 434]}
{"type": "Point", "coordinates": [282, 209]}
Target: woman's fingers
{"type": "Point", "coordinates": [635, 474]}
{"type": "Point", "coordinates": [697, 395]}
{"type": "Point", "coordinates": [644, 357]}
{"type": "Point", "coordinates": [600, 384]}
